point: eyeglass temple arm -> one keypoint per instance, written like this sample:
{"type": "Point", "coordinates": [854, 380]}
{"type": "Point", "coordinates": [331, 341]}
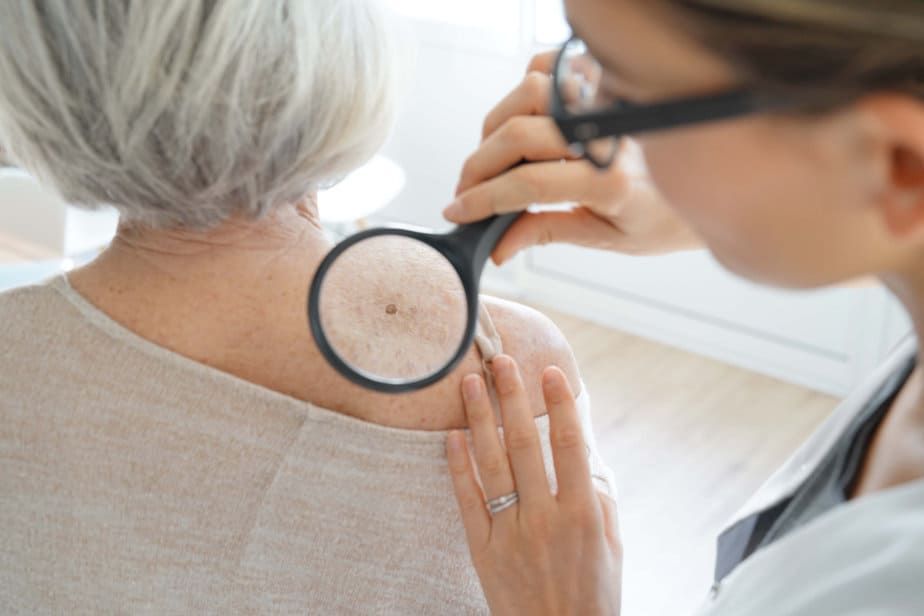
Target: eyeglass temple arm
{"type": "Point", "coordinates": [632, 119]}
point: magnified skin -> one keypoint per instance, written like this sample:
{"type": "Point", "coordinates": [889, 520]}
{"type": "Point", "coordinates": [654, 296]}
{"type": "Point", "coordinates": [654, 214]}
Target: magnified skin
{"type": "Point", "coordinates": [359, 308]}
{"type": "Point", "coordinates": [395, 307]}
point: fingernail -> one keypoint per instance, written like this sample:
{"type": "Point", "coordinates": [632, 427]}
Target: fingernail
{"type": "Point", "coordinates": [471, 388]}
{"type": "Point", "coordinates": [454, 442]}
{"type": "Point", "coordinates": [502, 365]}
{"type": "Point", "coordinates": [549, 378]}
{"type": "Point", "coordinates": [454, 210]}
{"type": "Point", "coordinates": [555, 386]}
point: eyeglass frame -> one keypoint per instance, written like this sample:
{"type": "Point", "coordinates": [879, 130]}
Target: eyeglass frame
{"type": "Point", "coordinates": [625, 118]}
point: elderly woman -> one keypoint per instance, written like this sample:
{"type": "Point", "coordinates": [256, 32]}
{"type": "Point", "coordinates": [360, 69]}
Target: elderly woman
{"type": "Point", "coordinates": [171, 440]}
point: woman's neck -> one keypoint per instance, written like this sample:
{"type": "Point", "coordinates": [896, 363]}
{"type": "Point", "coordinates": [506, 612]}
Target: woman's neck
{"type": "Point", "coordinates": [241, 265]}
{"type": "Point", "coordinates": [232, 297]}
{"type": "Point", "coordinates": [908, 288]}
{"type": "Point", "coordinates": [235, 253]}
{"type": "Point", "coordinates": [896, 454]}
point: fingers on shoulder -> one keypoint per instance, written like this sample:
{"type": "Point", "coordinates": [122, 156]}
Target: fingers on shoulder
{"type": "Point", "coordinates": [536, 343]}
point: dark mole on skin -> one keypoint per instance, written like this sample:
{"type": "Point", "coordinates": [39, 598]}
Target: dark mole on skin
{"type": "Point", "coordinates": [391, 309]}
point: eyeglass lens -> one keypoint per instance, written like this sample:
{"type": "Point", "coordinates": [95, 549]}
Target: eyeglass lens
{"type": "Point", "coordinates": [578, 80]}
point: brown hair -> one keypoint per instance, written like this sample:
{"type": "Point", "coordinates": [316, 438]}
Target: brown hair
{"type": "Point", "coordinates": [837, 48]}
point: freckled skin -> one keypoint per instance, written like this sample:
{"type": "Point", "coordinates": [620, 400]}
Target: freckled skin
{"type": "Point", "coordinates": [528, 336]}
{"type": "Point", "coordinates": [420, 337]}
{"type": "Point", "coordinates": [252, 324]}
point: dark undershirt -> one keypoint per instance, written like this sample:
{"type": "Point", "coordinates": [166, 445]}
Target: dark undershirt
{"type": "Point", "coordinates": [829, 485]}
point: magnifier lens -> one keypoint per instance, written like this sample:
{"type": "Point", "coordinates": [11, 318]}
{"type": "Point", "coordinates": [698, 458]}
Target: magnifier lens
{"type": "Point", "coordinates": [393, 309]}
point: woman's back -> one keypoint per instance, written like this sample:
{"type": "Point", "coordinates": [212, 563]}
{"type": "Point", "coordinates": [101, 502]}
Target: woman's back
{"type": "Point", "coordinates": [136, 480]}
{"type": "Point", "coordinates": [171, 440]}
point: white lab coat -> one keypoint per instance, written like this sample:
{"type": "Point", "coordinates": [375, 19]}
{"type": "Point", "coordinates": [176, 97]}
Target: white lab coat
{"type": "Point", "coordinates": [862, 558]}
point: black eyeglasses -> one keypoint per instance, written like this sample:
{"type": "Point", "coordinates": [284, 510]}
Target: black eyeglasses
{"type": "Point", "coordinates": [594, 122]}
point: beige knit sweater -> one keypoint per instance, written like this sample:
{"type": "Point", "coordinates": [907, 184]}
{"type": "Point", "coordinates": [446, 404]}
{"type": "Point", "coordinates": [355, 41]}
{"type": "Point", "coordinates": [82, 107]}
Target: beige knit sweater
{"type": "Point", "coordinates": [136, 481]}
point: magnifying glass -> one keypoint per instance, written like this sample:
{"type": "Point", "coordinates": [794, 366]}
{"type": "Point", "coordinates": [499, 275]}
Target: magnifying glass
{"type": "Point", "coordinates": [395, 309]}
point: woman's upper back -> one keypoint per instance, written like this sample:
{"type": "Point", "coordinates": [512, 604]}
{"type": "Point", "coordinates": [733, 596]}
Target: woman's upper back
{"type": "Point", "coordinates": [138, 480]}
{"type": "Point", "coordinates": [233, 298]}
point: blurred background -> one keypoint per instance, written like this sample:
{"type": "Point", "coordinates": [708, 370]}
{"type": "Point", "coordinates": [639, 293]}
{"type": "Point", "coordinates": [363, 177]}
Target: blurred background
{"type": "Point", "coordinates": [702, 383]}
{"type": "Point", "coordinates": [470, 54]}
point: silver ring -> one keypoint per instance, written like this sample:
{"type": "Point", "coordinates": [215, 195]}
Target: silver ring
{"type": "Point", "coordinates": [496, 505]}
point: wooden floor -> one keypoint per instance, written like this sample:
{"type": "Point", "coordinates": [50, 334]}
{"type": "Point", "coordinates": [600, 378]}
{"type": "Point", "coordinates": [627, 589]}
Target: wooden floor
{"type": "Point", "coordinates": [689, 440]}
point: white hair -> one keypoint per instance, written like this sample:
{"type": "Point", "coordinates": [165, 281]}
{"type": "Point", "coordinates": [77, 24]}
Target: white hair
{"type": "Point", "coordinates": [182, 113]}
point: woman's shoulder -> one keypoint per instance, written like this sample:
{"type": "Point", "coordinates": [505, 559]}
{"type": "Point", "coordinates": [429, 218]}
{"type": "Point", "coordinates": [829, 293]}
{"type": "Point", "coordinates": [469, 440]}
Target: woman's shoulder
{"type": "Point", "coordinates": [24, 307]}
{"type": "Point", "coordinates": [39, 331]}
{"type": "Point", "coordinates": [533, 340]}
{"type": "Point", "coordinates": [527, 335]}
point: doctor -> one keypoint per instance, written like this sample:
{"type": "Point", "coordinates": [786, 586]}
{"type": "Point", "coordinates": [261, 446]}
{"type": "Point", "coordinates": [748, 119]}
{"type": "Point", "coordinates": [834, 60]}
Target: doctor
{"type": "Point", "coordinates": [787, 136]}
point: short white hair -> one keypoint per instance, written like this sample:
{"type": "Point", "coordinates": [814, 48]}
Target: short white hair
{"type": "Point", "coordinates": [182, 113]}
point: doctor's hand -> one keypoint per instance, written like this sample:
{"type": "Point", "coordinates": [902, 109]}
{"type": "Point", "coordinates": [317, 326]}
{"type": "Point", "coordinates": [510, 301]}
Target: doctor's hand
{"type": "Point", "coordinates": [543, 553]}
{"type": "Point", "coordinates": [616, 209]}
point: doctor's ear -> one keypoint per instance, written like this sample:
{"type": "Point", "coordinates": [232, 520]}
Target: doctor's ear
{"type": "Point", "coordinates": [900, 195]}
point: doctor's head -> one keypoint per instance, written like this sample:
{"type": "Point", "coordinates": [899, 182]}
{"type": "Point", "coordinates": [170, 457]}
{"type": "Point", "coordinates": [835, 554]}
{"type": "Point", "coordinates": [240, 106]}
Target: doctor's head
{"type": "Point", "coordinates": [829, 188]}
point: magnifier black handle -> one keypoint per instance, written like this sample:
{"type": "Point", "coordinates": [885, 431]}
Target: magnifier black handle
{"type": "Point", "coordinates": [496, 228]}
{"type": "Point", "coordinates": [482, 237]}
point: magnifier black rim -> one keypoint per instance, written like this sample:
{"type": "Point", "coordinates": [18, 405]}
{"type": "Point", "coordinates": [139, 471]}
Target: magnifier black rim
{"type": "Point", "coordinates": [463, 271]}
